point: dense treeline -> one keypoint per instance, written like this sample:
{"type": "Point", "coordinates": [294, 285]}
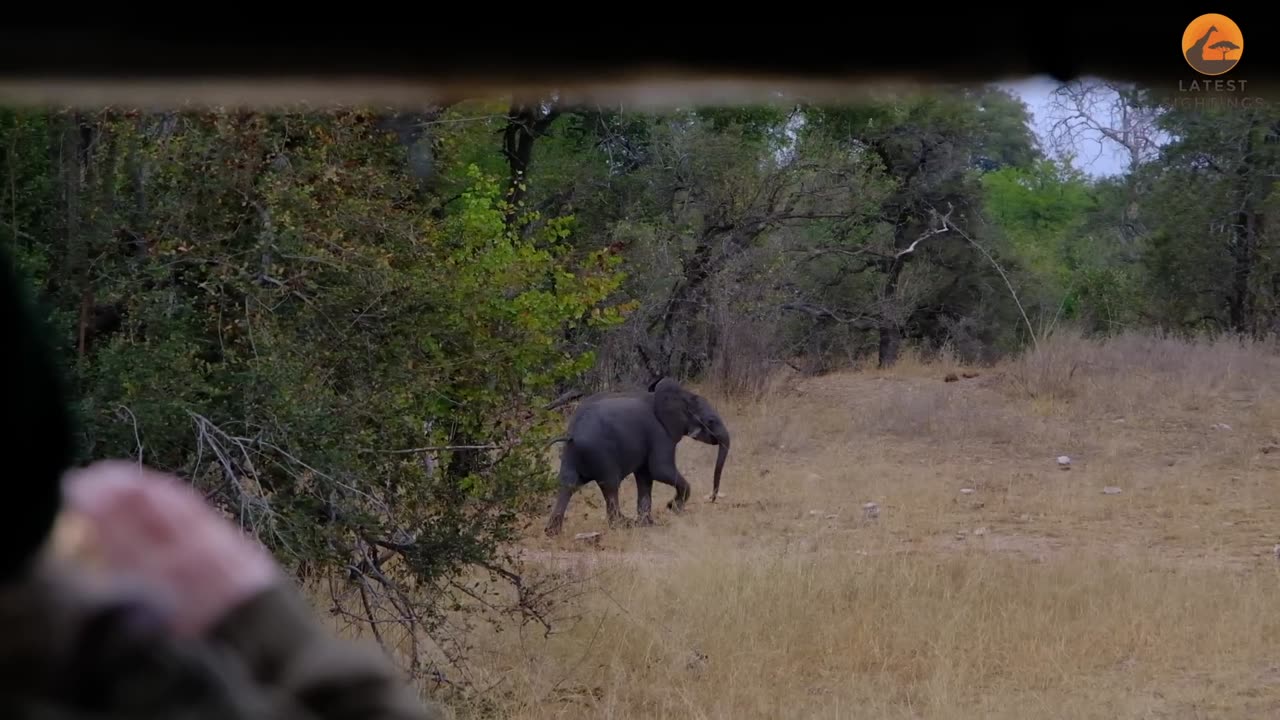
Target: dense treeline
{"type": "Point", "coordinates": [346, 326]}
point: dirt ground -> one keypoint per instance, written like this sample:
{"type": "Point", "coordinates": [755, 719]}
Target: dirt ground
{"type": "Point", "coordinates": [1140, 581]}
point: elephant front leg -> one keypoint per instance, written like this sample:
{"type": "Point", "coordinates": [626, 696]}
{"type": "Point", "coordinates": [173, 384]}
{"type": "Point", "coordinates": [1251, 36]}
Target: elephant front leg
{"type": "Point", "coordinates": [667, 474]}
{"type": "Point", "coordinates": [683, 491]}
{"type": "Point", "coordinates": [644, 497]}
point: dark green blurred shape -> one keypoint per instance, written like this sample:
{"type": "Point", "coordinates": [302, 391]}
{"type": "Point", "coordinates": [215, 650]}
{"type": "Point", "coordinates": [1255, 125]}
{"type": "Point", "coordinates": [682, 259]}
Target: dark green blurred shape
{"type": "Point", "coordinates": [37, 435]}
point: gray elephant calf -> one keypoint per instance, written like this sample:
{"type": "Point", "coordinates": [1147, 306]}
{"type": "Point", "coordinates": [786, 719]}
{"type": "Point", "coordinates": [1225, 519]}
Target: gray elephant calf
{"type": "Point", "coordinates": [613, 435]}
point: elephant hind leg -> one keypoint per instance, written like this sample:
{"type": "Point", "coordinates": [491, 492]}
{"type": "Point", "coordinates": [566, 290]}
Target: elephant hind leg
{"type": "Point", "coordinates": [556, 521]}
{"type": "Point", "coordinates": [570, 482]}
{"type": "Point", "coordinates": [613, 509]}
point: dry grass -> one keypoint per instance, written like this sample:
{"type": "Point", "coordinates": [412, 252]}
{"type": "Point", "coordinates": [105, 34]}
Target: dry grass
{"type": "Point", "coordinates": [1034, 596]}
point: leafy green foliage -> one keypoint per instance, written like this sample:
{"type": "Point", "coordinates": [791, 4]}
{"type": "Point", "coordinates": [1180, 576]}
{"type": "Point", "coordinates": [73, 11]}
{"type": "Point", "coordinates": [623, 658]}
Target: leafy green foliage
{"type": "Point", "coordinates": [1041, 211]}
{"type": "Point", "coordinates": [1207, 258]}
{"type": "Point", "coordinates": [295, 323]}
{"type": "Point", "coordinates": [1044, 215]}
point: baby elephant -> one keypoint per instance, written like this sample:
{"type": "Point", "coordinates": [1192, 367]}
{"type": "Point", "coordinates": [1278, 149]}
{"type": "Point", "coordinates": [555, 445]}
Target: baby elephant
{"type": "Point", "coordinates": [613, 435]}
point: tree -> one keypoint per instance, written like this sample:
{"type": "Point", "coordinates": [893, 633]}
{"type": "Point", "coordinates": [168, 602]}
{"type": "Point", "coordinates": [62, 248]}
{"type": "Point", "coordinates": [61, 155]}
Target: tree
{"type": "Point", "coordinates": [309, 341]}
{"type": "Point", "coordinates": [1208, 255]}
{"type": "Point", "coordinates": [922, 147]}
{"type": "Point", "coordinates": [1101, 113]}
{"type": "Point", "coordinates": [1055, 222]}
{"type": "Point", "coordinates": [1225, 46]}
{"type": "Point", "coordinates": [692, 211]}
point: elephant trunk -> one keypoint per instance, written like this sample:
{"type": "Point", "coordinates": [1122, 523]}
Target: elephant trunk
{"type": "Point", "coordinates": [721, 456]}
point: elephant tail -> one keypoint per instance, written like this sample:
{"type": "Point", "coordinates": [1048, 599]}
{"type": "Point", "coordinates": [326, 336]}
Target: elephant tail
{"type": "Point", "coordinates": [562, 438]}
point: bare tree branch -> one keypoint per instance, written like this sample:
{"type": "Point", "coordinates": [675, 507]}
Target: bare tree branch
{"type": "Point", "coordinates": [564, 399]}
{"type": "Point", "coordinates": [862, 322]}
{"type": "Point", "coordinates": [137, 436]}
{"type": "Point", "coordinates": [859, 253]}
{"type": "Point", "coordinates": [944, 225]}
{"type": "Point", "coordinates": [1103, 112]}
{"type": "Point", "coordinates": [437, 448]}
{"type": "Point", "coordinates": [1012, 293]}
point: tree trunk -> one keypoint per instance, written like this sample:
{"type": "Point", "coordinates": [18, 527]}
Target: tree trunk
{"type": "Point", "coordinates": [1243, 244]}
{"type": "Point", "coordinates": [1242, 297]}
{"type": "Point", "coordinates": [524, 127]}
{"type": "Point", "coordinates": [890, 329]}
{"type": "Point", "coordinates": [75, 147]}
{"type": "Point", "coordinates": [682, 304]}
{"type": "Point", "coordinates": [890, 341]}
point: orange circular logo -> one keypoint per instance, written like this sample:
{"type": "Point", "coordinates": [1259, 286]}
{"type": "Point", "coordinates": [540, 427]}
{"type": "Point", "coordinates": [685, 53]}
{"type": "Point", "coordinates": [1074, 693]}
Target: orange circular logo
{"type": "Point", "coordinates": [1212, 44]}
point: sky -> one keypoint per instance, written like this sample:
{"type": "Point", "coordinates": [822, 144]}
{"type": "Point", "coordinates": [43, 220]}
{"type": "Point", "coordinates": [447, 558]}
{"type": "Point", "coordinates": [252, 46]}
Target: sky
{"type": "Point", "coordinates": [1035, 91]}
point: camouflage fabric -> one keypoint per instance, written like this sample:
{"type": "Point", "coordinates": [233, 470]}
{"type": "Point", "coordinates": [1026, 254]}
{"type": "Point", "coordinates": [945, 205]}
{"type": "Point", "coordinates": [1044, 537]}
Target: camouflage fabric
{"type": "Point", "coordinates": [68, 651]}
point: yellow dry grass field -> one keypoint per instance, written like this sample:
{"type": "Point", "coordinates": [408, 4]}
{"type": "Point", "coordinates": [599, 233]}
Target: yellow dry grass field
{"type": "Point", "coordinates": [989, 582]}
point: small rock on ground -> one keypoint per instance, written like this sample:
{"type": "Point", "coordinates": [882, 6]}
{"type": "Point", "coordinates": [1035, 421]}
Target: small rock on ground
{"type": "Point", "coordinates": [1111, 490]}
{"type": "Point", "coordinates": [696, 661]}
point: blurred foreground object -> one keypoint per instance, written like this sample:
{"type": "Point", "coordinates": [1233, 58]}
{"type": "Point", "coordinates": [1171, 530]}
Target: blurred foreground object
{"type": "Point", "coordinates": [149, 604]}
{"type": "Point", "coordinates": [215, 65]}
{"type": "Point", "coordinates": [37, 437]}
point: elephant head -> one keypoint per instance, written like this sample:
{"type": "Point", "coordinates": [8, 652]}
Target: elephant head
{"type": "Point", "coordinates": [685, 413]}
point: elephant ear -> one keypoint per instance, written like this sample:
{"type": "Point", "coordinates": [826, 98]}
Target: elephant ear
{"type": "Point", "coordinates": [671, 405]}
